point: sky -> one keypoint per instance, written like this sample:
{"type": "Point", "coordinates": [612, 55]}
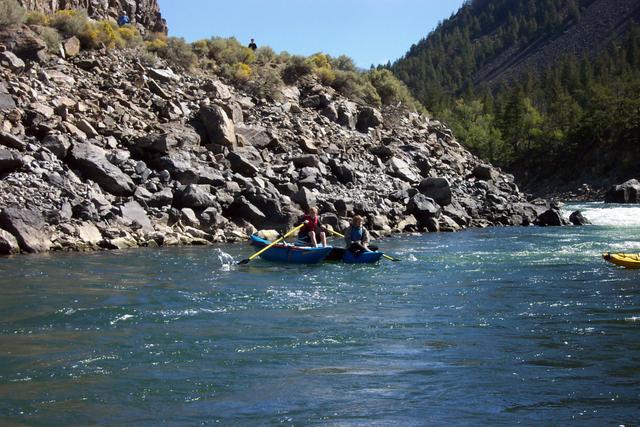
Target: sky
{"type": "Point", "coordinates": [368, 31]}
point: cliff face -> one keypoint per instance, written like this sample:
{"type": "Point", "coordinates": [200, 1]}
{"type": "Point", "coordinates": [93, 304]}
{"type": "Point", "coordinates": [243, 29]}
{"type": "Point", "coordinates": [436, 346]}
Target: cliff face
{"type": "Point", "coordinates": [103, 151]}
{"type": "Point", "coordinates": [143, 12]}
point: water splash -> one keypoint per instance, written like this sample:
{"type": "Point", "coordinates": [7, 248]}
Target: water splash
{"type": "Point", "coordinates": [226, 260]}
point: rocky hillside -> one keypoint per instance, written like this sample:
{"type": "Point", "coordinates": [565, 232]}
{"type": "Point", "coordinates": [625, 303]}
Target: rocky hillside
{"type": "Point", "coordinates": [146, 13]}
{"type": "Point", "coordinates": [100, 151]}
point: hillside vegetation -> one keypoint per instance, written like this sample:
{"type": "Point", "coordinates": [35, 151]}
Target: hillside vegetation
{"type": "Point", "coordinates": [547, 89]}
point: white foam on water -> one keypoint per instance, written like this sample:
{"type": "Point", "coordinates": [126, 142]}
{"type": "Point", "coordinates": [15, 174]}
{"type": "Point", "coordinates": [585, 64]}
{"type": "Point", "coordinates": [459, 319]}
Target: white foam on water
{"type": "Point", "coordinates": [607, 215]}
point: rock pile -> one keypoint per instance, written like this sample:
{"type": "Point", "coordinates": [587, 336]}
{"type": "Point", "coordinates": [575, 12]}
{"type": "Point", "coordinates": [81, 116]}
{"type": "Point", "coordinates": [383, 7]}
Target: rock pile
{"type": "Point", "coordinates": [99, 151]}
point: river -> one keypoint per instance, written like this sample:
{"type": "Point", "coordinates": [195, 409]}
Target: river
{"type": "Point", "coordinates": [492, 326]}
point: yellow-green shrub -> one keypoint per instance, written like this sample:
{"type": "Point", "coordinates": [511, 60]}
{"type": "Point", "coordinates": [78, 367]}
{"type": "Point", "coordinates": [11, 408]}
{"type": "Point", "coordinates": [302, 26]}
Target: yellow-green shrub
{"type": "Point", "coordinates": [229, 51]}
{"type": "Point", "coordinates": [130, 36]}
{"type": "Point", "coordinates": [69, 22]}
{"type": "Point", "coordinates": [390, 88]}
{"type": "Point", "coordinates": [36, 18]}
{"type": "Point", "coordinates": [265, 55]}
{"type": "Point", "coordinates": [101, 33]}
{"type": "Point", "coordinates": [242, 72]}
{"type": "Point", "coordinates": [156, 42]}
{"type": "Point", "coordinates": [326, 75]}
{"type": "Point", "coordinates": [51, 37]}
{"type": "Point", "coordinates": [11, 13]}
{"type": "Point", "coordinates": [174, 49]}
{"type": "Point", "coordinates": [356, 86]}
{"type": "Point", "coordinates": [297, 67]}
{"type": "Point", "coordinates": [267, 84]}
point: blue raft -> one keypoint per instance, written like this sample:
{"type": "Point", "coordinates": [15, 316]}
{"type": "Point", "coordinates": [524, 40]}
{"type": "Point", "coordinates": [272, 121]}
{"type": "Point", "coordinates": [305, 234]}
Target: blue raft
{"type": "Point", "coordinates": [293, 254]}
{"type": "Point", "coordinates": [289, 253]}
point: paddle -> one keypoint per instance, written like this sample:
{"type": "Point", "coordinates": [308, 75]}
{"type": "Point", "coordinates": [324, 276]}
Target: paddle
{"type": "Point", "coordinates": [384, 255]}
{"type": "Point", "coordinates": [246, 261]}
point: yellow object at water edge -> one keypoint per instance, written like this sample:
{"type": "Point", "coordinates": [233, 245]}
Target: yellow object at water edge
{"type": "Point", "coordinates": [624, 260]}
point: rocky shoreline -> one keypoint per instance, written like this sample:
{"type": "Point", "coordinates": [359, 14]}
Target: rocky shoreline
{"type": "Point", "coordinates": [98, 151]}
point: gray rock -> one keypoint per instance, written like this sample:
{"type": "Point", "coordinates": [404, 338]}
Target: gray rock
{"type": "Point", "coordinates": [577, 218]}
{"type": "Point", "coordinates": [92, 162]}
{"type": "Point", "coordinates": [436, 188]}
{"type": "Point", "coordinates": [220, 129]}
{"type": "Point", "coordinates": [242, 208]}
{"type": "Point", "coordinates": [369, 118]}
{"type": "Point", "coordinates": [172, 137]}
{"type": "Point", "coordinates": [178, 165]}
{"type": "Point", "coordinates": [342, 171]}
{"type": "Point", "coordinates": [423, 208]}
{"type": "Point", "coordinates": [133, 213]}
{"type": "Point", "coordinates": [551, 217]}
{"type": "Point", "coordinates": [305, 198]}
{"type": "Point", "coordinates": [12, 141]}
{"type": "Point", "coordinates": [166, 76]}
{"type": "Point", "coordinates": [188, 217]}
{"type": "Point", "coordinates": [485, 172]}
{"type": "Point", "coordinates": [71, 46]}
{"type": "Point", "coordinates": [6, 100]}
{"type": "Point", "coordinates": [28, 227]}
{"type": "Point", "coordinates": [11, 61]}
{"type": "Point", "coordinates": [9, 161]}
{"type": "Point", "coordinates": [402, 170]}
{"type": "Point", "coordinates": [627, 192]}
{"type": "Point", "coordinates": [195, 197]}
{"type": "Point", "coordinates": [161, 198]}
{"type": "Point", "coordinates": [58, 144]}
{"type": "Point", "coordinates": [347, 113]}
{"type": "Point", "coordinates": [207, 175]}
{"type": "Point", "coordinates": [308, 160]}
{"type": "Point", "coordinates": [241, 165]}
{"type": "Point", "coordinates": [8, 243]}
{"type": "Point", "coordinates": [155, 88]}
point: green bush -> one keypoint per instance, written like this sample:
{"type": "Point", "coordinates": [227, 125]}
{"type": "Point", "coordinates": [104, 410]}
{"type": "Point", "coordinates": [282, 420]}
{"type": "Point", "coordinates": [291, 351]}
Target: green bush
{"type": "Point", "coordinates": [11, 13]}
{"type": "Point", "coordinates": [178, 53]}
{"type": "Point", "coordinates": [130, 36]}
{"type": "Point", "coordinates": [51, 37]}
{"type": "Point", "coordinates": [390, 89]}
{"type": "Point", "coordinates": [36, 18]}
{"type": "Point", "coordinates": [343, 62]}
{"type": "Point", "coordinates": [229, 51]}
{"type": "Point", "coordinates": [70, 22]}
{"type": "Point", "coordinates": [296, 67]}
{"type": "Point", "coordinates": [265, 55]}
{"type": "Point", "coordinates": [356, 86]}
{"type": "Point", "coordinates": [267, 84]}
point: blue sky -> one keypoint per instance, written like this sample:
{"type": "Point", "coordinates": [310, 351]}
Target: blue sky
{"type": "Point", "coordinates": [369, 31]}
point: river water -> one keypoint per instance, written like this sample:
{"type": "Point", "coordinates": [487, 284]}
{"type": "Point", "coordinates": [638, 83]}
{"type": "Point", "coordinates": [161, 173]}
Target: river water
{"type": "Point", "coordinates": [498, 326]}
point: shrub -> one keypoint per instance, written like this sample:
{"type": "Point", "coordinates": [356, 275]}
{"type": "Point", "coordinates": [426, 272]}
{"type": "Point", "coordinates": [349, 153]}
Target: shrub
{"type": "Point", "coordinates": [296, 67]}
{"type": "Point", "coordinates": [326, 75]}
{"type": "Point", "coordinates": [100, 33]}
{"type": "Point", "coordinates": [343, 62]}
{"type": "Point", "coordinates": [200, 48]}
{"type": "Point", "coordinates": [174, 49]}
{"type": "Point", "coordinates": [70, 22]}
{"type": "Point", "coordinates": [265, 55]}
{"type": "Point", "coordinates": [267, 84]}
{"type": "Point", "coordinates": [36, 18]}
{"type": "Point", "coordinates": [51, 37]}
{"type": "Point", "coordinates": [390, 89]}
{"type": "Point", "coordinates": [148, 59]}
{"type": "Point", "coordinates": [130, 36]}
{"type": "Point", "coordinates": [230, 51]}
{"type": "Point", "coordinates": [242, 72]}
{"type": "Point", "coordinates": [356, 86]}
{"type": "Point", "coordinates": [11, 13]}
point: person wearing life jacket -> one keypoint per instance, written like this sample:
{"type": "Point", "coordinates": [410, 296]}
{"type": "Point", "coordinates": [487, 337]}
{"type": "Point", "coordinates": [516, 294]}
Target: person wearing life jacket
{"type": "Point", "coordinates": [357, 237]}
{"type": "Point", "coordinates": [312, 231]}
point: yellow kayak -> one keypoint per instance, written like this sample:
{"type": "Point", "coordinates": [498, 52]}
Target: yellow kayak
{"type": "Point", "coordinates": [624, 260]}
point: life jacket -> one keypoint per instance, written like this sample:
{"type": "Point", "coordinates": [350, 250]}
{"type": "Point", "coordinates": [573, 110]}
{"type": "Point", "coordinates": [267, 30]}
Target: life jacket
{"type": "Point", "coordinates": [356, 234]}
{"type": "Point", "coordinates": [311, 224]}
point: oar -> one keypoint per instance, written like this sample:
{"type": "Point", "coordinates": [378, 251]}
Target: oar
{"type": "Point", "coordinates": [384, 255]}
{"type": "Point", "coordinates": [246, 261]}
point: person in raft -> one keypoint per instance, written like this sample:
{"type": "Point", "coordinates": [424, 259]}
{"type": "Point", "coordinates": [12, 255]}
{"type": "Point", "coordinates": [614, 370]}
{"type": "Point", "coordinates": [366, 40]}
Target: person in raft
{"type": "Point", "coordinates": [312, 230]}
{"type": "Point", "coordinates": [357, 237]}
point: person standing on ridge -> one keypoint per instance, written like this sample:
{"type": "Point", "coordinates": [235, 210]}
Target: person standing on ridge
{"type": "Point", "coordinates": [253, 46]}
{"type": "Point", "coordinates": [123, 19]}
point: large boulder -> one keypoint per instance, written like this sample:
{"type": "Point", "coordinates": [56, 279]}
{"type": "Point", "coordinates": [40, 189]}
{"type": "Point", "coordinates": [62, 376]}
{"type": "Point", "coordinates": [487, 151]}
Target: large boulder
{"type": "Point", "coordinates": [179, 165]}
{"type": "Point", "coordinates": [628, 192]}
{"type": "Point", "coordinates": [551, 217]}
{"type": "Point", "coordinates": [220, 128]}
{"type": "Point", "coordinates": [24, 43]}
{"type": "Point", "coordinates": [425, 210]}
{"type": "Point", "coordinates": [9, 161]}
{"type": "Point", "coordinates": [368, 118]}
{"type": "Point", "coordinates": [12, 141]}
{"type": "Point", "coordinates": [485, 172]}
{"type": "Point", "coordinates": [577, 218]}
{"type": "Point", "coordinates": [28, 227]}
{"type": "Point", "coordinates": [241, 165]}
{"type": "Point", "coordinates": [6, 100]}
{"type": "Point", "coordinates": [402, 170]}
{"type": "Point", "coordinates": [92, 163]}
{"type": "Point", "coordinates": [305, 198]}
{"type": "Point", "coordinates": [171, 137]}
{"type": "Point", "coordinates": [436, 188]}
{"type": "Point", "coordinates": [195, 197]}
{"type": "Point", "coordinates": [241, 208]}
{"type": "Point", "coordinates": [8, 243]}
{"type": "Point", "coordinates": [135, 215]}
{"type": "Point", "coordinates": [342, 171]}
